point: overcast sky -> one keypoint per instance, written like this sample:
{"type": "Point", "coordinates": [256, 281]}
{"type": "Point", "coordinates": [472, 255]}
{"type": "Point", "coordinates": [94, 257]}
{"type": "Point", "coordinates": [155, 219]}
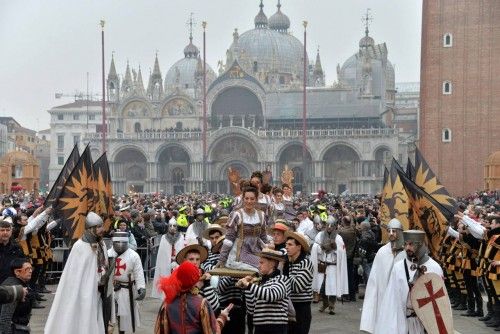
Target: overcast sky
{"type": "Point", "coordinates": [49, 46]}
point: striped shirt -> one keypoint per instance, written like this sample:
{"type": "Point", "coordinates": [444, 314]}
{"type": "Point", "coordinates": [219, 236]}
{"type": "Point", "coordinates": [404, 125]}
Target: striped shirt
{"type": "Point", "coordinates": [228, 292]}
{"type": "Point", "coordinates": [208, 292]}
{"type": "Point", "coordinates": [210, 262]}
{"type": "Point", "coordinates": [300, 274]}
{"type": "Point", "coordinates": [271, 300]}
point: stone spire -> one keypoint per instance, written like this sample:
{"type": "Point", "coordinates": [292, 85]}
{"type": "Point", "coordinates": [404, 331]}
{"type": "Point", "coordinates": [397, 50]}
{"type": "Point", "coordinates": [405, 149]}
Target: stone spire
{"type": "Point", "coordinates": [318, 69]}
{"type": "Point", "coordinates": [156, 68]}
{"type": "Point", "coordinates": [155, 85]}
{"type": "Point", "coordinates": [127, 84]}
{"type": "Point", "coordinates": [261, 18]}
{"type": "Point", "coordinates": [113, 82]}
{"type": "Point", "coordinates": [112, 69]}
{"type": "Point", "coordinates": [140, 84]}
{"type": "Point", "coordinates": [318, 74]}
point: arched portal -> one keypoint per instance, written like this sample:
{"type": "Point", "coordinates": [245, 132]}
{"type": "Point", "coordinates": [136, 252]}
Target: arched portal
{"type": "Point", "coordinates": [237, 106]}
{"type": "Point", "coordinates": [233, 151]}
{"type": "Point", "coordinates": [292, 157]}
{"type": "Point", "coordinates": [173, 169]}
{"type": "Point", "coordinates": [130, 170]}
{"type": "Point", "coordinates": [340, 161]}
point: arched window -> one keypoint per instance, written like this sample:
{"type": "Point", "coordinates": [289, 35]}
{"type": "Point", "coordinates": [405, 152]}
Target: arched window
{"type": "Point", "coordinates": [447, 87]}
{"type": "Point", "coordinates": [446, 135]}
{"type": "Point", "coordinates": [447, 40]}
{"type": "Point", "coordinates": [137, 127]}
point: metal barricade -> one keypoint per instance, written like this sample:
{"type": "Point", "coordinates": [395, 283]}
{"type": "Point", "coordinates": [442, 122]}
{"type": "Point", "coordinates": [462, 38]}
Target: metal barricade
{"type": "Point", "coordinates": [61, 252]}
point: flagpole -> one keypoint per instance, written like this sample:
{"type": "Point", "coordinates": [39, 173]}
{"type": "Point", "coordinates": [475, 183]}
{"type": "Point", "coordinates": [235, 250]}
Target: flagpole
{"type": "Point", "coordinates": [204, 25]}
{"type": "Point", "coordinates": [304, 104]}
{"type": "Point", "coordinates": [103, 92]}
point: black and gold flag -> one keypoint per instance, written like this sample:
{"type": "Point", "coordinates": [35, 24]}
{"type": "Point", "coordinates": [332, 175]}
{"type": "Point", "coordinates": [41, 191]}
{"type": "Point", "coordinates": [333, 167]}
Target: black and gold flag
{"type": "Point", "coordinates": [425, 212]}
{"type": "Point", "coordinates": [428, 181]}
{"type": "Point", "coordinates": [103, 204]}
{"type": "Point", "coordinates": [394, 201]}
{"type": "Point", "coordinates": [77, 197]}
{"type": "Point", "coordinates": [56, 189]}
{"type": "Point", "coordinates": [410, 170]}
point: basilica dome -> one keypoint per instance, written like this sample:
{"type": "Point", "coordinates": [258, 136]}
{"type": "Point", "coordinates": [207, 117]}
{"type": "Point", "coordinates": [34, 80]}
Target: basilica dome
{"type": "Point", "coordinates": [269, 49]}
{"type": "Point", "coordinates": [182, 74]}
{"type": "Point", "coordinates": [381, 69]}
{"type": "Point", "coordinates": [279, 21]}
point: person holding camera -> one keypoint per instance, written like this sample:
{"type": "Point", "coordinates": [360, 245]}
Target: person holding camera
{"type": "Point", "coordinates": [15, 316]}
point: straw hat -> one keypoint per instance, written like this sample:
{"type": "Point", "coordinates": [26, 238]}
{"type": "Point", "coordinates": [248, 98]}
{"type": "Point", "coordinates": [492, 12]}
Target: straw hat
{"type": "Point", "coordinates": [182, 253]}
{"type": "Point", "coordinates": [213, 227]}
{"type": "Point", "coordinates": [222, 220]}
{"type": "Point", "coordinates": [299, 238]}
{"type": "Point", "coordinates": [271, 254]}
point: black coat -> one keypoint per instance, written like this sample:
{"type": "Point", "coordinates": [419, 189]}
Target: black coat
{"type": "Point", "coordinates": [8, 253]}
{"type": "Point", "coordinates": [9, 294]}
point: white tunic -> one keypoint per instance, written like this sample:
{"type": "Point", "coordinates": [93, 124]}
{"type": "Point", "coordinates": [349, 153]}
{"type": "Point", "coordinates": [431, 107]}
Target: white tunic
{"type": "Point", "coordinates": [305, 225]}
{"type": "Point", "coordinates": [377, 284]}
{"type": "Point", "coordinates": [77, 306]}
{"type": "Point", "coordinates": [315, 249]}
{"type": "Point", "coordinates": [392, 316]}
{"type": "Point", "coordinates": [192, 237]}
{"type": "Point", "coordinates": [165, 261]}
{"type": "Point", "coordinates": [337, 283]}
{"type": "Point", "coordinates": [128, 263]}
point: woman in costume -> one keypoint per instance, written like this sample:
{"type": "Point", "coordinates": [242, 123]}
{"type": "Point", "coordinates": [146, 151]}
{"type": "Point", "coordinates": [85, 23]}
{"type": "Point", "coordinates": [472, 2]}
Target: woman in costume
{"type": "Point", "coordinates": [246, 234]}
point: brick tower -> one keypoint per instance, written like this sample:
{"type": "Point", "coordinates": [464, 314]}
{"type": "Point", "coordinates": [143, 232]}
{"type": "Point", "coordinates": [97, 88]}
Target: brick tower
{"type": "Point", "coordinates": [460, 89]}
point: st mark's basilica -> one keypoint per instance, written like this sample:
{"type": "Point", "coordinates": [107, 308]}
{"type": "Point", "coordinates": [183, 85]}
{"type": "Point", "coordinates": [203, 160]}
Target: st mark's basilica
{"type": "Point", "coordinates": [254, 111]}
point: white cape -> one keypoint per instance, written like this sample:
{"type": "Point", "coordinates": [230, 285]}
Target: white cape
{"type": "Point", "coordinates": [315, 248]}
{"type": "Point", "coordinates": [164, 263]}
{"type": "Point", "coordinates": [392, 316]}
{"type": "Point", "coordinates": [337, 283]}
{"type": "Point", "coordinates": [77, 306]}
{"type": "Point", "coordinates": [377, 284]}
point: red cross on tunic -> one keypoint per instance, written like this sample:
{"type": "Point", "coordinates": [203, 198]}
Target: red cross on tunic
{"type": "Point", "coordinates": [432, 299]}
{"type": "Point", "coordinates": [118, 266]}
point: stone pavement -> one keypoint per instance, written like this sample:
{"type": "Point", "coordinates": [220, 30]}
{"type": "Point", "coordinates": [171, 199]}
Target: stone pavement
{"type": "Point", "coordinates": [345, 321]}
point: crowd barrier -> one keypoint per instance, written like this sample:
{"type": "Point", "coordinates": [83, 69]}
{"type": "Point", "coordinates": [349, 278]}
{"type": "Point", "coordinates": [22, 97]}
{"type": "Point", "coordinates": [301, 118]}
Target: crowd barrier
{"type": "Point", "coordinates": [61, 251]}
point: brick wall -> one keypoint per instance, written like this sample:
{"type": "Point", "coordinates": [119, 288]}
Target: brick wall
{"type": "Point", "coordinates": [472, 110]}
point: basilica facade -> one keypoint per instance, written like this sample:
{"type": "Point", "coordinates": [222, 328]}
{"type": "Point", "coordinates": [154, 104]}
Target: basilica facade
{"type": "Point", "coordinates": [254, 105]}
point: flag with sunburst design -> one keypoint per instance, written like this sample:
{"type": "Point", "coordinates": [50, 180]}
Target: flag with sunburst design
{"type": "Point", "coordinates": [103, 204]}
{"type": "Point", "coordinates": [56, 189]}
{"type": "Point", "coordinates": [394, 200]}
{"type": "Point", "coordinates": [77, 197]}
{"type": "Point", "coordinates": [425, 212]}
{"type": "Point", "coordinates": [410, 170]}
{"type": "Point", "coordinates": [428, 181]}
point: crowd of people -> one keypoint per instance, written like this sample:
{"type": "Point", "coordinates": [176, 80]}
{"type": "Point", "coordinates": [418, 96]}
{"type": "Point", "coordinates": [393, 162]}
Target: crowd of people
{"type": "Point", "coordinates": [256, 262]}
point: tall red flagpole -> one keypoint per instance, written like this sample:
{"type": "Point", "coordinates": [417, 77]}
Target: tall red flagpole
{"type": "Point", "coordinates": [103, 92]}
{"type": "Point", "coordinates": [304, 103]}
{"type": "Point", "coordinates": [204, 25]}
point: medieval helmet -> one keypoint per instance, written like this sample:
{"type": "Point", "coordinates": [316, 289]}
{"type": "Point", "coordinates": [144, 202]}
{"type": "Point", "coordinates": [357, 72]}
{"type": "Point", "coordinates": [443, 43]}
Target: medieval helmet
{"type": "Point", "coordinates": [93, 219]}
{"type": "Point", "coordinates": [331, 221]}
{"type": "Point", "coordinates": [120, 242]}
{"type": "Point", "coordinates": [417, 237]}
{"type": "Point", "coordinates": [395, 224]}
